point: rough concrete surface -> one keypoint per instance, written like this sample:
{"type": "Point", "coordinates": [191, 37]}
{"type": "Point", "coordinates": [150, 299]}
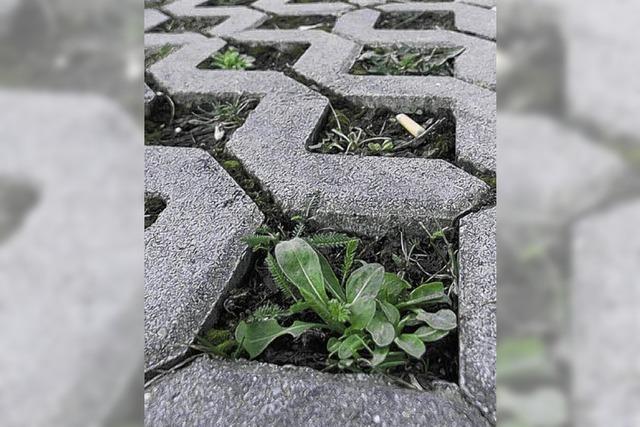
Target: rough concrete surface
{"type": "Point", "coordinates": [218, 392]}
{"type": "Point", "coordinates": [193, 251]}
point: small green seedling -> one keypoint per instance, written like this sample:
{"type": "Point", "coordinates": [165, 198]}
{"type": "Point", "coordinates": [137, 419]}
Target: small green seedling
{"type": "Point", "coordinates": [231, 59]}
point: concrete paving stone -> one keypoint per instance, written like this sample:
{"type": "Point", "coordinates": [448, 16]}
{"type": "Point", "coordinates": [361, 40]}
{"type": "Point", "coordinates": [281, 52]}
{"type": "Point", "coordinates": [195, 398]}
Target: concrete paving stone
{"type": "Point", "coordinates": [284, 8]}
{"type": "Point", "coordinates": [601, 81]}
{"type": "Point", "coordinates": [329, 58]}
{"type": "Point", "coordinates": [469, 19]}
{"type": "Point", "coordinates": [555, 173]}
{"type": "Point", "coordinates": [214, 391]}
{"type": "Point", "coordinates": [477, 64]}
{"type": "Point", "coordinates": [369, 195]}
{"type": "Point", "coordinates": [153, 18]}
{"type": "Point", "coordinates": [477, 300]}
{"type": "Point", "coordinates": [70, 257]}
{"type": "Point", "coordinates": [193, 252]}
{"type": "Point", "coordinates": [604, 294]}
{"type": "Point", "coordinates": [239, 18]}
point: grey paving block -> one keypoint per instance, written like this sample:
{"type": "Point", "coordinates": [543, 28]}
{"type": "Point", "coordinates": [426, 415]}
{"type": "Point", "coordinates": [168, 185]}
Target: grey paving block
{"type": "Point", "coordinates": [238, 18]}
{"type": "Point", "coordinates": [213, 391]}
{"type": "Point", "coordinates": [470, 19]}
{"type": "Point", "coordinates": [555, 173]}
{"type": "Point", "coordinates": [153, 18]}
{"type": "Point", "coordinates": [70, 257]}
{"type": "Point", "coordinates": [477, 298]}
{"type": "Point", "coordinates": [284, 8]}
{"type": "Point", "coordinates": [369, 195]}
{"type": "Point", "coordinates": [601, 84]}
{"type": "Point", "coordinates": [193, 252]}
{"type": "Point", "coordinates": [329, 58]}
{"type": "Point", "coordinates": [604, 294]}
{"type": "Point", "coordinates": [477, 64]}
{"type": "Point", "coordinates": [360, 194]}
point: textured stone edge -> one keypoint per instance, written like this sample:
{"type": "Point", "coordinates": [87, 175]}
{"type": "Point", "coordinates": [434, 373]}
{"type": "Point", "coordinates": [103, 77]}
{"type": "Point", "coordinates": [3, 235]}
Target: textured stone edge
{"type": "Point", "coordinates": [469, 19]}
{"type": "Point", "coordinates": [170, 230]}
{"type": "Point", "coordinates": [476, 65]}
{"type": "Point", "coordinates": [477, 307]}
{"type": "Point", "coordinates": [284, 8]}
{"type": "Point", "coordinates": [209, 389]}
{"type": "Point", "coordinates": [239, 18]}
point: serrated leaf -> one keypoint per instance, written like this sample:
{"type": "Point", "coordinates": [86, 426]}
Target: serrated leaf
{"type": "Point", "coordinates": [424, 293]}
{"type": "Point", "coordinates": [361, 313]}
{"type": "Point", "coordinates": [411, 344]}
{"type": "Point", "coordinates": [350, 346]}
{"type": "Point", "coordinates": [428, 334]}
{"type": "Point", "coordinates": [390, 311]}
{"type": "Point", "coordinates": [443, 320]}
{"type": "Point", "coordinates": [381, 331]}
{"type": "Point", "coordinates": [298, 307]}
{"type": "Point", "coordinates": [331, 282]}
{"type": "Point", "coordinates": [364, 283]}
{"type": "Point", "coordinates": [256, 336]}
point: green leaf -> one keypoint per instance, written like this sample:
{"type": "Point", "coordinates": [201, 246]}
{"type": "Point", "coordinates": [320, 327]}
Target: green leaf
{"type": "Point", "coordinates": [329, 240]}
{"type": "Point", "coordinates": [428, 334]}
{"type": "Point", "coordinates": [333, 345]}
{"type": "Point", "coordinates": [349, 257]}
{"type": "Point", "coordinates": [424, 293]}
{"type": "Point", "coordinates": [330, 280]}
{"type": "Point", "coordinates": [443, 320]}
{"type": "Point", "coordinates": [390, 311]}
{"type": "Point", "coordinates": [361, 313]}
{"type": "Point", "coordinates": [381, 331]}
{"type": "Point", "coordinates": [301, 264]}
{"type": "Point", "coordinates": [279, 277]}
{"type": "Point", "coordinates": [364, 283]}
{"type": "Point", "coordinates": [393, 359]}
{"type": "Point", "coordinates": [350, 346]}
{"type": "Point", "coordinates": [411, 344]}
{"type": "Point", "coordinates": [256, 336]}
{"type": "Point", "coordinates": [392, 287]}
{"type": "Point", "coordinates": [298, 307]}
{"type": "Point", "coordinates": [379, 355]}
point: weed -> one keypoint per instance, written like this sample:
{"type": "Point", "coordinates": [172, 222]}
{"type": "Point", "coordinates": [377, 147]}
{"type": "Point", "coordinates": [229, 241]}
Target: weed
{"type": "Point", "coordinates": [231, 59]}
{"type": "Point", "coordinates": [406, 61]}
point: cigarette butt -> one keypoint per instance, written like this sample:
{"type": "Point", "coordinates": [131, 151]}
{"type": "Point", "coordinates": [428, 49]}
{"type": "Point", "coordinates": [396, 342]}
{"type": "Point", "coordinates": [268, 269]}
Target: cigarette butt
{"type": "Point", "coordinates": [412, 127]}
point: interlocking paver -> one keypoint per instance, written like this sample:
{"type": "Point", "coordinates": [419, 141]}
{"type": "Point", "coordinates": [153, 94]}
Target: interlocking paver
{"type": "Point", "coordinates": [193, 252]}
{"type": "Point", "coordinates": [329, 57]}
{"type": "Point", "coordinates": [238, 18]}
{"type": "Point", "coordinates": [249, 393]}
{"type": "Point", "coordinates": [470, 19]}
{"type": "Point", "coordinates": [603, 300]}
{"type": "Point", "coordinates": [476, 64]}
{"type": "Point", "coordinates": [359, 194]}
{"type": "Point", "coordinates": [285, 8]}
{"type": "Point", "coordinates": [477, 309]}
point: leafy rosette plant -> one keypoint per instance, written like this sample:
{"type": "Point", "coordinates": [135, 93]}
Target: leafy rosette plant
{"type": "Point", "coordinates": [376, 319]}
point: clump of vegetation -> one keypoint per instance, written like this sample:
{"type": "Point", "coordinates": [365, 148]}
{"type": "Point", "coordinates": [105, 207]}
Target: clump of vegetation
{"type": "Point", "coordinates": [406, 61]}
{"type": "Point", "coordinates": [155, 55]}
{"type": "Point", "coordinates": [377, 319]}
{"type": "Point", "coordinates": [343, 310]}
{"type": "Point", "coordinates": [231, 59]}
{"type": "Point", "coordinates": [376, 132]}
{"type": "Point", "coordinates": [204, 125]}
